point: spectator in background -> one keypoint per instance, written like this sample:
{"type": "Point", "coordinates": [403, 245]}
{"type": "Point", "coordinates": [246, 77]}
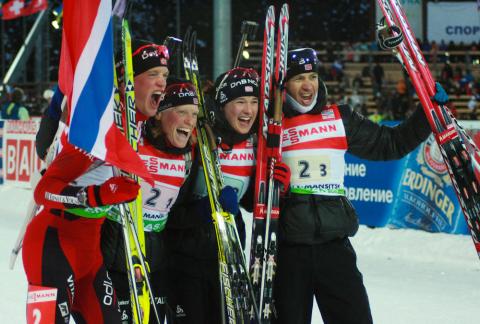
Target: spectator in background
{"type": "Point", "coordinates": [453, 109]}
{"type": "Point", "coordinates": [357, 102]}
{"type": "Point", "coordinates": [349, 53]}
{"type": "Point", "coordinates": [336, 70]}
{"type": "Point", "coordinates": [14, 108]}
{"type": "Point", "coordinates": [434, 54]}
{"type": "Point", "coordinates": [399, 104]}
{"type": "Point", "coordinates": [378, 74]}
{"type": "Point", "coordinates": [357, 82]}
{"type": "Point", "coordinates": [472, 106]}
{"type": "Point", "coordinates": [4, 94]}
{"type": "Point", "coordinates": [377, 116]}
{"type": "Point", "coordinates": [442, 47]}
{"type": "Point", "coordinates": [47, 96]}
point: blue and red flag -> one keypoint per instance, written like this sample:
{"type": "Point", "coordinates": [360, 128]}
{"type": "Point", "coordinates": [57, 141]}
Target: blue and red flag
{"type": "Point", "coordinates": [86, 79]}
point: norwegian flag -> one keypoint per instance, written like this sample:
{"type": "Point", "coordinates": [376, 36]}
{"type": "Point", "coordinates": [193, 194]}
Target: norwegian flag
{"type": "Point", "coordinates": [17, 8]}
{"type": "Point", "coordinates": [86, 79]}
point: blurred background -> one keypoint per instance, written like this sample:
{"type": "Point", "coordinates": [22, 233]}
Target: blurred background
{"type": "Point", "coordinates": [342, 31]}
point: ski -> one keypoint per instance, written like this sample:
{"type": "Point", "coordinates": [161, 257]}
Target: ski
{"type": "Point", "coordinates": [459, 152]}
{"type": "Point", "coordinates": [259, 210]}
{"type": "Point", "coordinates": [236, 289]}
{"type": "Point", "coordinates": [142, 297]}
{"type": "Point", "coordinates": [267, 192]}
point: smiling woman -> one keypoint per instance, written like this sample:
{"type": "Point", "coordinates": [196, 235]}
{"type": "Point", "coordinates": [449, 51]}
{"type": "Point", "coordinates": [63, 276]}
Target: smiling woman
{"type": "Point", "coordinates": [178, 113]}
{"type": "Point", "coordinates": [191, 237]}
{"type": "Point", "coordinates": [166, 151]}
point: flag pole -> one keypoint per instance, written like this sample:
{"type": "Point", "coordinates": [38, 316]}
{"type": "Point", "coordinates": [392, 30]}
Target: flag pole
{"type": "Point", "coordinates": [18, 63]}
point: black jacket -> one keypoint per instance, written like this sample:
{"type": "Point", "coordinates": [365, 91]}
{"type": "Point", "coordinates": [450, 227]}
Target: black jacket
{"type": "Point", "coordinates": [313, 219]}
{"type": "Point", "coordinates": [192, 235]}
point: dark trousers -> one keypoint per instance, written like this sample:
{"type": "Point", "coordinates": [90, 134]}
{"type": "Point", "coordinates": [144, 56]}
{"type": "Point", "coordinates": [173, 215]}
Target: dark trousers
{"type": "Point", "coordinates": [195, 293]}
{"type": "Point", "coordinates": [327, 271]}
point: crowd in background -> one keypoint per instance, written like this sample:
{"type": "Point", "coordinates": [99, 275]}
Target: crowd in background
{"type": "Point", "coordinates": [393, 99]}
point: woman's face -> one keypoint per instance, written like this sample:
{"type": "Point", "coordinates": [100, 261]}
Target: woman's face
{"type": "Point", "coordinates": [177, 124]}
{"type": "Point", "coordinates": [241, 113]}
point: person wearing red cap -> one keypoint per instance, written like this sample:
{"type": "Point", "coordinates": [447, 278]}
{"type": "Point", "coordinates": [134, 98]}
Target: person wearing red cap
{"type": "Point", "coordinates": [61, 248]}
{"type": "Point", "coordinates": [166, 148]}
{"type": "Point", "coordinates": [191, 239]}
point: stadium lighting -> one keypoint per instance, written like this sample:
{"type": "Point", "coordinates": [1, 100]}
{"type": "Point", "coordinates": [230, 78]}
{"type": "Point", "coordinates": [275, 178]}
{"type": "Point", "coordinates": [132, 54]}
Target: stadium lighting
{"type": "Point", "coordinates": [58, 13]}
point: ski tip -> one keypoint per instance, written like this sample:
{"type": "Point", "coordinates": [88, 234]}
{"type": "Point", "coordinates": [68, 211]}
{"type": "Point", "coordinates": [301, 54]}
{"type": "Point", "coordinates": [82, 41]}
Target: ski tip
{"type": "Point", "coordinates": [13, 258]}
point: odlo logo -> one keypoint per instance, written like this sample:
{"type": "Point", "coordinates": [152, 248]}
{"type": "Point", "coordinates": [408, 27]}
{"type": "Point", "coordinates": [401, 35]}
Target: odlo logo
{"type": "Point", "coordinates": [179, 311]}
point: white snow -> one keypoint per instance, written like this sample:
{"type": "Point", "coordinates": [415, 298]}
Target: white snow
{"type": "Point", "coordinates": [412, 277]}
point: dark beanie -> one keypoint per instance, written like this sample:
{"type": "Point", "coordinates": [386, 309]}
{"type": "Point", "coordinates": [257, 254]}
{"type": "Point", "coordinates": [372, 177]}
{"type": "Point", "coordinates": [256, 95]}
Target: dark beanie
{"type": "Point", "coordinates": [178, 92]}
{"type": "Point", "coordinates": [237, 82]}
{"type": "Point", "coordinates": [147, 55]}
{"type": "Point", "coordinates": [302, 60]}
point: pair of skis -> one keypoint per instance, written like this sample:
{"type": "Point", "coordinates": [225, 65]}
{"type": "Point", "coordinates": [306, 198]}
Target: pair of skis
{"type": "Point", "coordinates": [235, 285]}
{"type": "Point", "coordinates": [263, 254]}
{"type": "Point", "coordinates": [141, 293]}
{"type": "Point", "coordinates": [459, 152]}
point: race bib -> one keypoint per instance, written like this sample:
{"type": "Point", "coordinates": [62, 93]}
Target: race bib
{"type": "Point", "coordinates": [316, 171]}
{"type": "Point", "coordinates": [157, 202]}
{"type": "Point", "coordinates": [41, 305]}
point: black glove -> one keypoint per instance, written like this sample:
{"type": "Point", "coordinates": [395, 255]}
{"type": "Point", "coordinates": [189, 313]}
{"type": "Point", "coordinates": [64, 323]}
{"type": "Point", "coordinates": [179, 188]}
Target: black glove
{"type": "Point", "coordinates": [228, 199]}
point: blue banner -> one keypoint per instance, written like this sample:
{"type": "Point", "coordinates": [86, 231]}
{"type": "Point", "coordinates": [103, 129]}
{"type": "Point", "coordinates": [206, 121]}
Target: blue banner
{"type": "Point", "coordinates": [414, 192]}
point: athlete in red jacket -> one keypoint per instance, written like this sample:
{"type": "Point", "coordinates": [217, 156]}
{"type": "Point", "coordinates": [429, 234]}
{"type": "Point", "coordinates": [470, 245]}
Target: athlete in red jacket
{"type": "Point", "coordinates": [62, 244]}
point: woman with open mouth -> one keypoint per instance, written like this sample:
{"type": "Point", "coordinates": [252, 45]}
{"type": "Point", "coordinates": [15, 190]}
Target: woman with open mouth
{"type": "Point", "coordinates": [166, 149]}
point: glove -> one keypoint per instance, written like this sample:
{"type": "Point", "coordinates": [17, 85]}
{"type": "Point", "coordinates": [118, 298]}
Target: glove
{"type": "Point", "coordinates": [440, 97]}
{"type": "Point", "coordinates": [114, 191]}
{"type": "Point", "coordinates": [228, 200]}
{"type": "Point", "coordinates": [385, 38]}
{"type": "Point", "coordinates": [281, 173]}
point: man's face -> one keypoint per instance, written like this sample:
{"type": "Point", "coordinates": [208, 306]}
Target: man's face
{"type": "Point", "coordinates": [303, 88]}
{"type": "Point", "coordinates": [149, 88]}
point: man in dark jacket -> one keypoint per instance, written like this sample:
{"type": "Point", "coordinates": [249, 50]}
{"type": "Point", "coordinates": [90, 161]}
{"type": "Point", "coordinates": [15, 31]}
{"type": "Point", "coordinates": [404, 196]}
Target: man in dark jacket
{"type": "Point", "coordinates": [315, 255]}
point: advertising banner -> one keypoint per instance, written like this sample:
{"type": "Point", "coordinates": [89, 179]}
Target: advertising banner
{"type": "Point", "coordinates": [19, 156]}
{"type": "Point", "coordinates": [414, 192]}
{"type": "Point", "coordinates": [453, 21]}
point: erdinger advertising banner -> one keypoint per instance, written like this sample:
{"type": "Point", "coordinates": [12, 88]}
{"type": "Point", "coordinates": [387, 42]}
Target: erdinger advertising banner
{"type": "Point", "coordinates": [19, 155]}
{"type": "Point", "coordinates": [425, 198]}
{"type": "Point", "coordinates": [414, 192]}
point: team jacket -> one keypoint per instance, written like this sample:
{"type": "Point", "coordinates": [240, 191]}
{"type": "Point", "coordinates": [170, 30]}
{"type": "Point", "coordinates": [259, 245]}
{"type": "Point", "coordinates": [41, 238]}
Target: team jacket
{"type": "Point", "coordinates": [191, 234]}
{"type": "Point", "coordinates": [316, 209]}
{"type": "Point", "coordinates": [169, 170]}
{"type": "Point", "coordinates": [71, 170]}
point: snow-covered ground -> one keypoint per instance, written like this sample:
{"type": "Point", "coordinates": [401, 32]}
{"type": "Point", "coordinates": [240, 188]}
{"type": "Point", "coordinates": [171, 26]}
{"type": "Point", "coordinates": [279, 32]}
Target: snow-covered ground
{"type": "Point", "coordinates": [412, 277]}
